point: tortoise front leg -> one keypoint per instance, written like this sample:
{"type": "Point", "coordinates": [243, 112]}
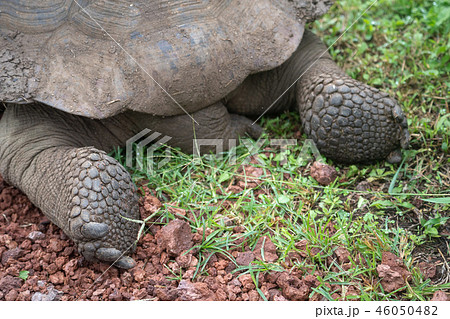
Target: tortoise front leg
{"type": "Point", "coordinates": [53, 157]}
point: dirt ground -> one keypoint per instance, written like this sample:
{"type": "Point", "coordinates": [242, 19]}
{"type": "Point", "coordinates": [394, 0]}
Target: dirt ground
{"type": "Point", "coordinates": [39, 262]}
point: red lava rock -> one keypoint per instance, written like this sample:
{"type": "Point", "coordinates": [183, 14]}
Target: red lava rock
{"type": "Point", "coordinates": [11, 254]}
{"type": "Point", "coordinates": [393, 272]}
{"type": "Point", "coordinates": [55, 245]}
{"type": "Point", "coordinates": [9, 282]}
{"type": "Point", "coordinates": [175, 237]}
{"type": "Point", "coordinates": [58, 272]}
{"type": "Point", "coordinates": [342, 255]}
{"type": "Point", "coordinates": [427, 269]}
{"type": "Point", "coordinates": [186, 260]}
{"type": "Point", "coordinates": [12, 295]}
{"type": "Point", "coordinates": [279, 298]}
{"type": "Point", "coordinates": [311, 281]}
{"type": "Point", "coordinates": [440, 296]}
{"type": "Point", "coordinates": [323, 173]}
{"type": "Point", "coordinates": [167, 294]}
{"type": "Point", "coordinates": [36, 235]}
{"type": "Point", "coordinates": [302, 246]}
{"type": "Point", "coordinates": [269, 250]}
{"type": "Point", "coordinates": [149, 203]}
{"type": "Point", "coordinates": [293, 287]}
{"type": "Point", "coordinates": [330, 228]}
{"type": "Point", "coordinates": [52, 295]}
{"type": "Point", "coordinates": [253, 295]}
{"type": "Point", "coordinates": [176, 210]}
{"type": "Point", "coordinates": [249, 176]}
{"type": "Point", "coordinates": [246, 281]}
{"type": "Point", "coordinates": [352, 292]}
{"type": "Point", "coordinates": [245, 258]}
{"type": "Point", "coordinates": [57, 278]}
{"type": "Point", "coordinates": [195, 291]}
{"type": "Point", "coordinates": [115, 295]}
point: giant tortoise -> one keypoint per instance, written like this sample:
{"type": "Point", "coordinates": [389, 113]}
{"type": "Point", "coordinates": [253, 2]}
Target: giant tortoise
{"type": "Point", "coordinates": [78, 78]}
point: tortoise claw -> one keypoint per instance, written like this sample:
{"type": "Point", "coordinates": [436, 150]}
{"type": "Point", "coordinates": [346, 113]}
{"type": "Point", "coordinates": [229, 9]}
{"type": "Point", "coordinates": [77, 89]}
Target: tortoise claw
{"type": "Point", "coordinates": [108, 254]}
{"type": "Point", "coordinates": [401, 119]}
{"type": "Point", "coordinates": [126, 262]}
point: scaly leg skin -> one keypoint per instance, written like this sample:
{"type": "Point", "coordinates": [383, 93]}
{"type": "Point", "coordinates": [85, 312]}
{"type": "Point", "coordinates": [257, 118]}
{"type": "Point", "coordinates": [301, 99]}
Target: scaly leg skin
{"type": "Point", "coordinates": [80, 189]}
{"type": "Point", "coordinates": [349, 121]}
{"type": "Point", "coordinates": [102, 193]}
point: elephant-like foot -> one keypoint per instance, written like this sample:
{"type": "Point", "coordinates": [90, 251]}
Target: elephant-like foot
{"type": "Point", "coordinates": [102, 200]}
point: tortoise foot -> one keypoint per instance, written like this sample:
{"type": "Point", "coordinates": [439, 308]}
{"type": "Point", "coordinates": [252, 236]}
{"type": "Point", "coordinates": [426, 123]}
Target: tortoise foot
{"type": "Point", "coordinates": [102, 194]}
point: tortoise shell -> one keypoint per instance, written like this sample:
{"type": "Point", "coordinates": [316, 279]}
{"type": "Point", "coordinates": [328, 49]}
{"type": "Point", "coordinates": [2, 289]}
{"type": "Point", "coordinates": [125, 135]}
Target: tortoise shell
{"type": "Point", "coordinates": [100, 58]}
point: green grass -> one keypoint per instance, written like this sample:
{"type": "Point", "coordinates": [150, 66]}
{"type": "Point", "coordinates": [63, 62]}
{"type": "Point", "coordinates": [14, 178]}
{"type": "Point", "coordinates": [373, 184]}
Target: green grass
{"type": "Point", "coordinates": [400, 47]}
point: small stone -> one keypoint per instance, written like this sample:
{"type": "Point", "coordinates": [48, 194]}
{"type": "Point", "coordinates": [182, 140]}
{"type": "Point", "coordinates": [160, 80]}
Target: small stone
{"type": "Point", "coordinates": [327, 121]}
{"type": "Point", "coordinates": [9, 282]}
{"type": "Point", "coordinates": [93, 197]}
{"type": "Point", "coordinates": [388, 102]}
{"type": "Point", "coordinates": [175, 237]}
{"type": "Point", "coordinates": [323, 173]}
{"type": "Point", "coordinates": [11, 254]}
{"type": "Point", "coordinates": [96, 185]}
{"type": "Point", "coordinates": [342, 254]}
{"type": "Point", "coordinates": [36, 235]}
{"type": "Point", "coordinates": [84, 203]}
{"type": "Point", "coordinates": [333, 110]}
{"type": "Point", "coordinates": [86, 164]}
{"type": "Point", "coordinates": [76, 201]}
{"type": "Point", "coordinates": [11, 295]}
{"type": "Point", "coordinates": [440, 296]}
{"type": "Point", "coordinates": [342, 121]}
{"type": "Point", "coordinates": [357, 113]}
{"type": "Point", "coordinates": [393, 272]}
{"type": "Point", "coordinates": [265, 250]}
{"type": "Point", "coordinates": [245, 258]}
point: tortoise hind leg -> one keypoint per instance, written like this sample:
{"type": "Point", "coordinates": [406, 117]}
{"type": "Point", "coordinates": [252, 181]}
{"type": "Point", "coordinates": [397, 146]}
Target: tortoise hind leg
{"type": "Point", "coordinates": [348, 120]}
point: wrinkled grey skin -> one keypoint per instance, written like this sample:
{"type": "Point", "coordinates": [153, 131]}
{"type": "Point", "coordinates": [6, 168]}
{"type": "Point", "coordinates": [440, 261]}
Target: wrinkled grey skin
{"type": "Point", "coordinates": [59, 160]}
